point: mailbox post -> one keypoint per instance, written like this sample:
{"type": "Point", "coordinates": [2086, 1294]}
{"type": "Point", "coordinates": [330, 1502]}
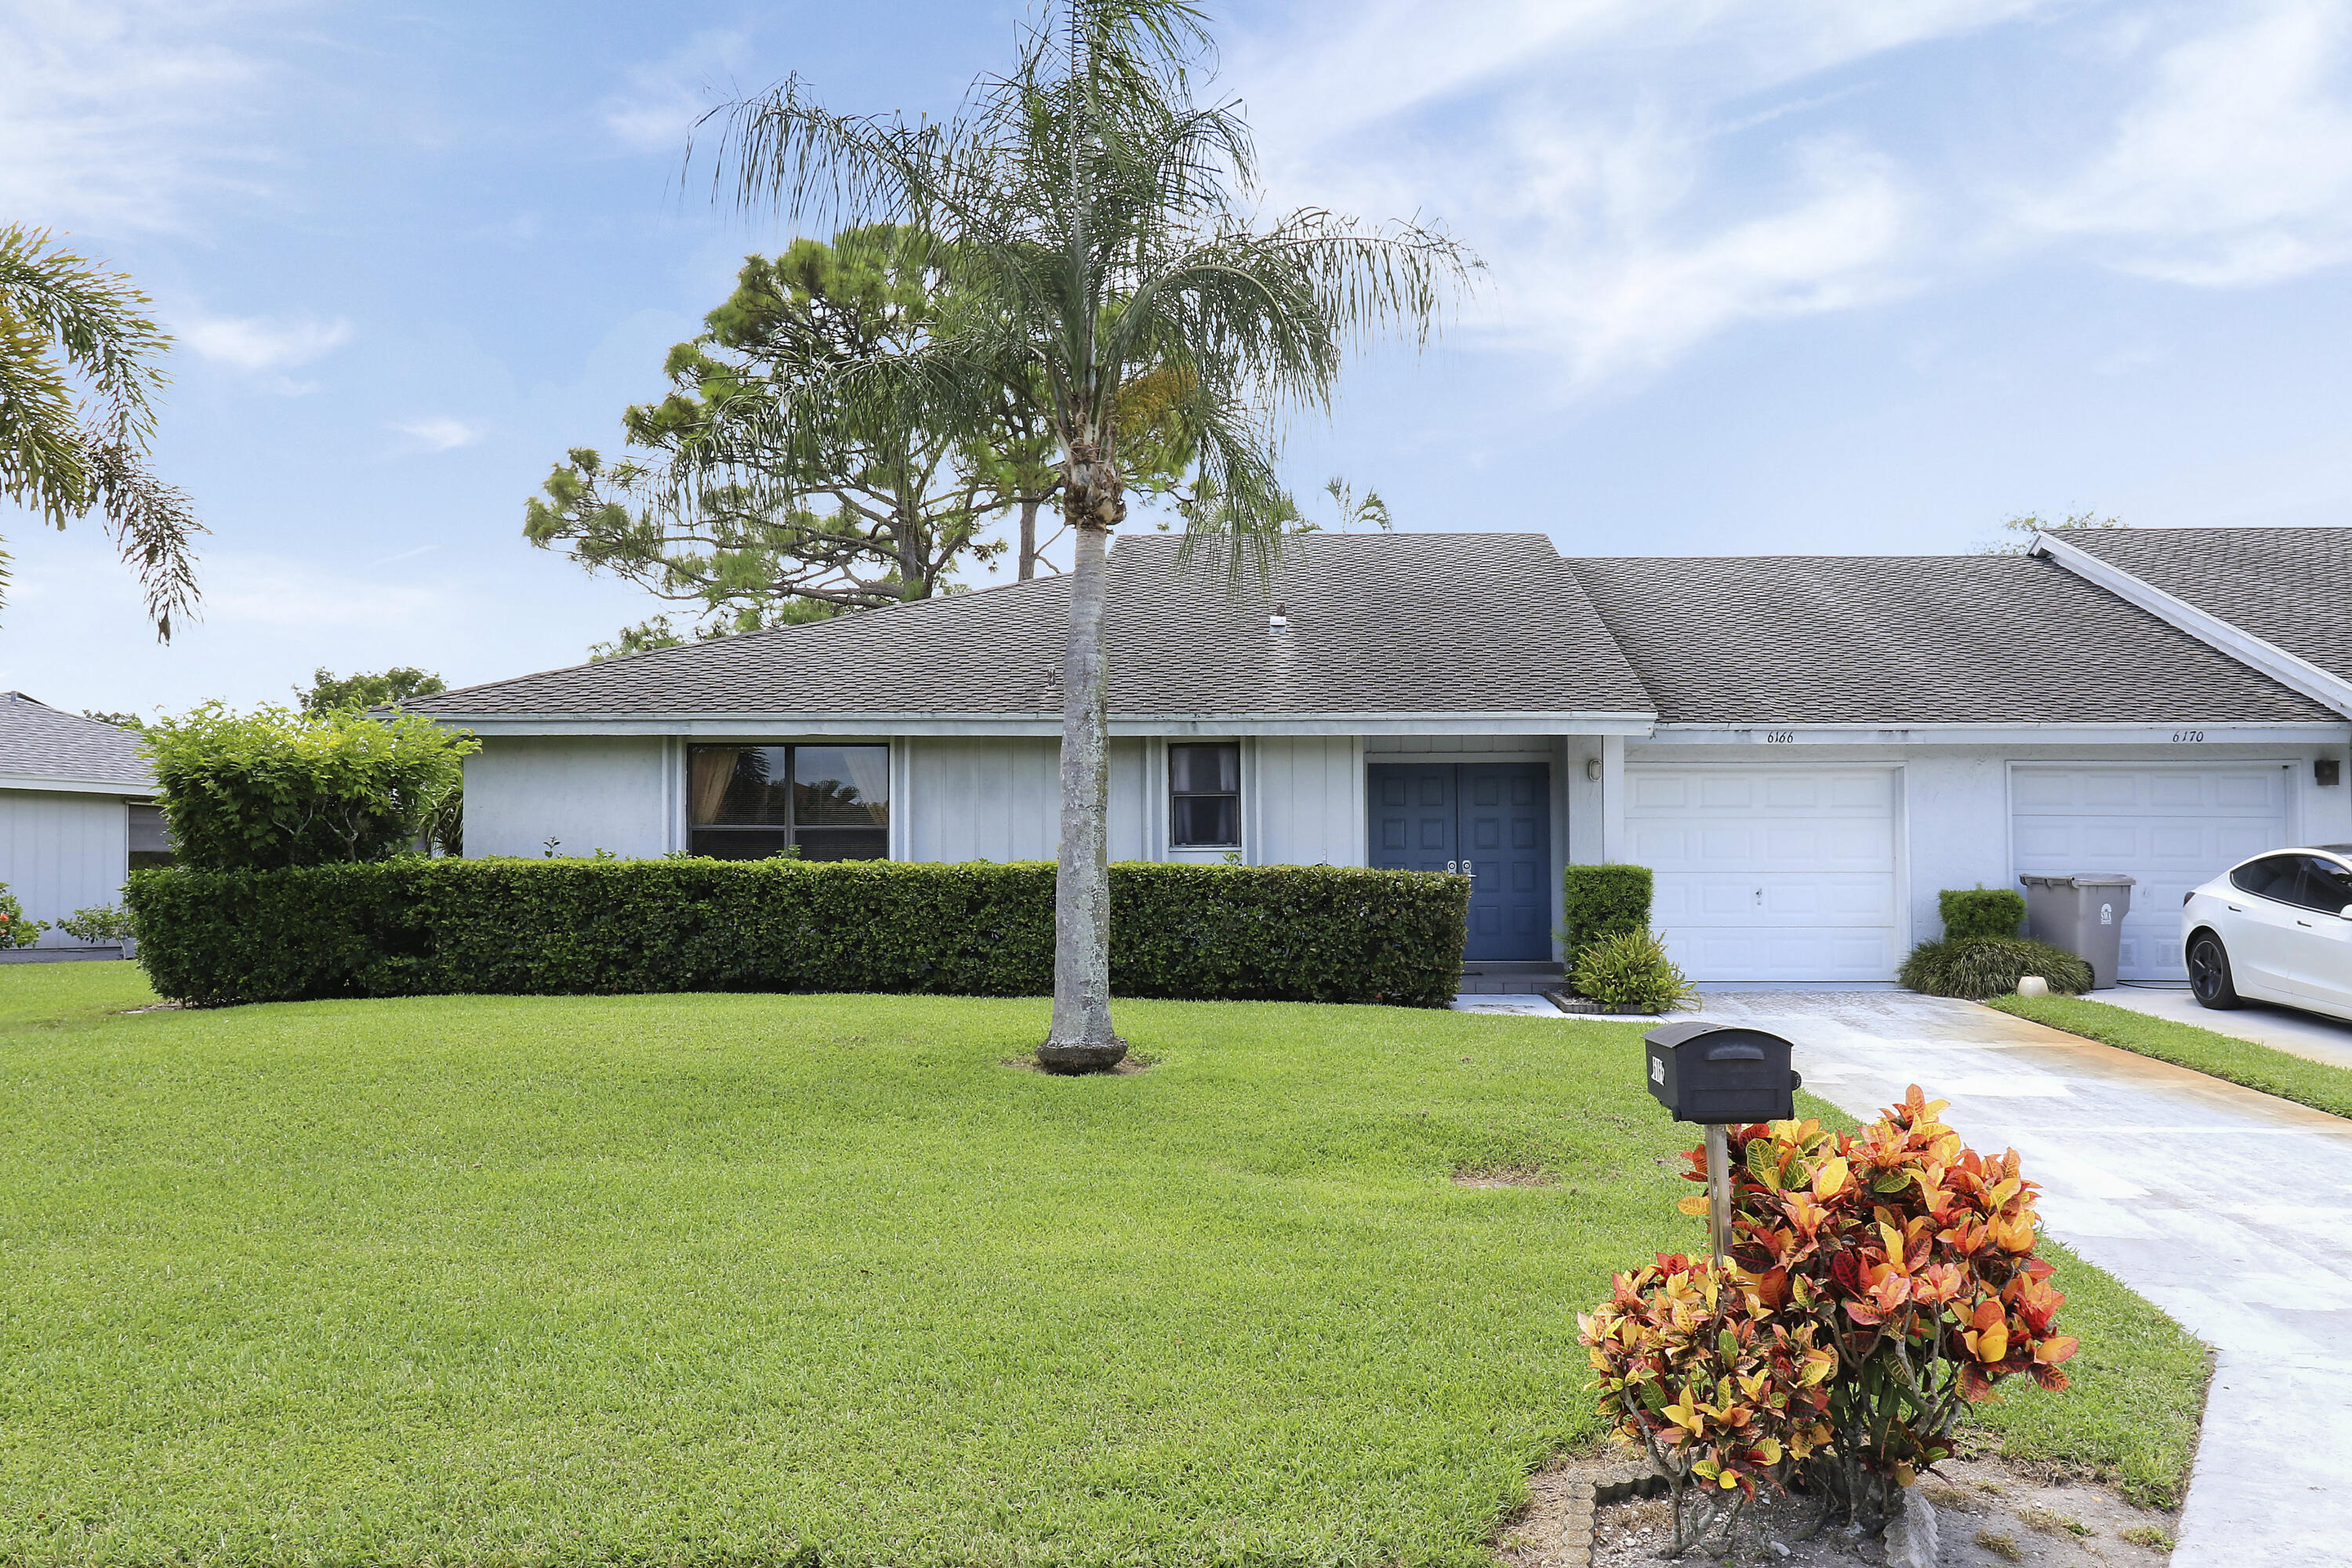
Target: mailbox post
{"type": "Point", "coordinates": [1719, 1075]}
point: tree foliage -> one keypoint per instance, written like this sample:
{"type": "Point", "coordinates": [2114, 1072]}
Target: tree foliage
{"type": "Point", "coordinates": [2022, 529]}
{"type": "Point", "coordinates": [79, 380]}
{"type": "Point", "coordinates": [1098, 224]}
{"type": "Point", "coordinates": [761, 505]}
{"type": "Point", "coordinates": [276, 788]}
{"type": "Point", "coordinates": [328, 692]}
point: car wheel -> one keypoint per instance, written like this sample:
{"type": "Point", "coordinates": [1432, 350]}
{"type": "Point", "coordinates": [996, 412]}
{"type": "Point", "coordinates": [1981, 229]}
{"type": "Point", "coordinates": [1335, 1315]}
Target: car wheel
{"type": "Point", "coordinates": [2209, 971]}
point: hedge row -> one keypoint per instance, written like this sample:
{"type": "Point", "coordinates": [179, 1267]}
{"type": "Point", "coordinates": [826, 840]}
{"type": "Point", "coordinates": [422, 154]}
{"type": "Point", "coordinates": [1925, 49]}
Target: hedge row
{"type": "Point", "coordinates": [415, 927]}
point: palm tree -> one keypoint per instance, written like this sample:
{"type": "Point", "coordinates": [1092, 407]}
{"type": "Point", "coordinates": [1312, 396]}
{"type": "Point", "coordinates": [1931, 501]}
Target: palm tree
{"type": "Point", "coordinates": [78, 379]}
{"type": "Point", "coordinates": [1096, 217]}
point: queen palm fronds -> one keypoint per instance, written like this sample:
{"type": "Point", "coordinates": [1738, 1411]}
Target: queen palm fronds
{"type": "Point", "coordinates": [79, 380]}
{"type": "Point", "coordinates": [1100, 222]}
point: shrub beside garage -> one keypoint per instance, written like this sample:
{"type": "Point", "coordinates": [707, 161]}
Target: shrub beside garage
{"type": "Point", "coordinates": [413, 926]}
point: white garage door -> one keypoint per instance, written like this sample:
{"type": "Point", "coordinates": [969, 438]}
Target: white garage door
{"type": "Point", "coordinates": [2171, 825]}
{"type": "Point", "coordinates": [1769, 873]}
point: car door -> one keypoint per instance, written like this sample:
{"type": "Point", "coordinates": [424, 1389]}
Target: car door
{"type": "Point", "coordinates": [2322, 970]}
{"type": "Point", "coordinates": [2260, 928]}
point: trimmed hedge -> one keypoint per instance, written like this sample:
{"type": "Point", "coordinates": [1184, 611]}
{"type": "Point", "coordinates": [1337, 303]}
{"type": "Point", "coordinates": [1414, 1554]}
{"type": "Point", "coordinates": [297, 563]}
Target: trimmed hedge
{"type": "Point", "coordinates": [1601, 902]}
{"type": "Point", "coordinates": [413, 927]}
{"type": "Point", "coordinates": [1980, 912]}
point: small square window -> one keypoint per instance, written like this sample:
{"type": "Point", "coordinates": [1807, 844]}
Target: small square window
{"type": "Point", "coordinates": [1204, 800]}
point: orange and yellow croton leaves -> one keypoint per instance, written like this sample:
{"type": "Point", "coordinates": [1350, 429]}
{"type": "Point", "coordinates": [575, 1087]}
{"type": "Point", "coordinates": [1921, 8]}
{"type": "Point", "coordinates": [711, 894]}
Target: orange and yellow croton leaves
{"type": "Point", "coordinates": [1896, 1247]}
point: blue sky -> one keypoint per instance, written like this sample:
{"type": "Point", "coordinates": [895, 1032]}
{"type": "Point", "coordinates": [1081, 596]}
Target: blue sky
{"type": "Point", "coordinates": [1781, 275]}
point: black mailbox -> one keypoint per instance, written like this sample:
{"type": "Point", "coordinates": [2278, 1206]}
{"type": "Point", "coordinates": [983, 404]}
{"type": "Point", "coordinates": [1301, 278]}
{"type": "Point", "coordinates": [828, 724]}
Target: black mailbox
{"type": "Point", "coordinates": [1721, 1073]}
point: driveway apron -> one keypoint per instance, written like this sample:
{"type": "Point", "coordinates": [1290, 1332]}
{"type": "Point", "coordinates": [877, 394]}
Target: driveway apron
{"type": "Point", "coordinates": [2231, 1210]}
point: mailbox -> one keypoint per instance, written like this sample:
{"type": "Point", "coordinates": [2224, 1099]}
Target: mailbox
{"type": "Point", "coordinates": [1721, 1073]}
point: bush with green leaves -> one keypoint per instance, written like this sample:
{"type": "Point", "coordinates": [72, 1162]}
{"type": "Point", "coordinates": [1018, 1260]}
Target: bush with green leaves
{"type": "Point", "coordinates": [16, 930]}
{"type": "Point", "coordinates": [275, 788]}
{"type": "Point", "coordinates": [1977, 967]}
{"type": "Point", "coordinates": [414, 926]}
{"type": "Point", "coordinates": [1630, 973]}
{"type": "Point", "coordinates": [98, 925]}
{"type": "Point", "coordinates": [1599, 901]}
{"type": "Point", "coordinates": [1980, 912]}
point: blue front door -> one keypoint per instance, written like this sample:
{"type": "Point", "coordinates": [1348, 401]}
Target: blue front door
{"type": "Point", "coordinates": [1496, 817]}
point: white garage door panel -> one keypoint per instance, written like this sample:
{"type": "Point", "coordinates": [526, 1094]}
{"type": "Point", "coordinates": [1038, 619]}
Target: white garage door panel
{"type": "Point", "coordinates": [1769, 873]}
{"type": "Point", "coordinates": [2170, 826]}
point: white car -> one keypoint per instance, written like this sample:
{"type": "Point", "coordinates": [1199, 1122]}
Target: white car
{"type": "Point", "coordinates": [2277, 928]}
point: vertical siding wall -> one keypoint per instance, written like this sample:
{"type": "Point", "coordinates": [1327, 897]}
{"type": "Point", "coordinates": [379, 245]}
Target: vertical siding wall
{"type": "Point", "coordinates": [1000, 798]}
{"type": "Point", "coordinates": [61, 852]}
{"type": "Point", "coordinates": [1308, 800]}
{"type": "Point", "coordinates": [621, 793]}
{"type": "Point", "coordinates": [982, 799]}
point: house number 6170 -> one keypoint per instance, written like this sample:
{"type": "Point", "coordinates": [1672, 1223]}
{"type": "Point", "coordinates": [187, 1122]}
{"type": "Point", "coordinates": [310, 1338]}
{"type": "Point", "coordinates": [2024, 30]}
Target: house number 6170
{"type": "Point", "coordinates": [2185, 735]}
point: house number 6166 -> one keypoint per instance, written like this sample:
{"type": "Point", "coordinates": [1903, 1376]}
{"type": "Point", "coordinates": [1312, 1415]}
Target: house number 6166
{"type": "Point", "coordinates": [1783, 737]}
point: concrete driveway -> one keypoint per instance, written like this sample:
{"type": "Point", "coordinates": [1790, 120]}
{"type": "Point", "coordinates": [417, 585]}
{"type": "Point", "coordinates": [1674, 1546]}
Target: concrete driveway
{"type": "Point", "coordinates": [2231, 1210]}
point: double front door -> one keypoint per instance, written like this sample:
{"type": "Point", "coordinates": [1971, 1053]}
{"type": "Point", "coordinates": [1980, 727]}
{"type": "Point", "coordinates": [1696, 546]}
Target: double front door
{"type": "Point", "coordinates": [1490, 820]}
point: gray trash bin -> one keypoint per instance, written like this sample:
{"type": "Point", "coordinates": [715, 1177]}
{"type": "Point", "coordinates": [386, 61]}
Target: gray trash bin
{"type": "Point", "coordinates": [2085, 915]}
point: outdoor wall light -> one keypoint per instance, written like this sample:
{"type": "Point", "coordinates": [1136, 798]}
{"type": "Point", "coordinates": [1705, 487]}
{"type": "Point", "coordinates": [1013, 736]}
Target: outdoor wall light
{"type": "Point", "coordinates": [2327, 773]}
{"type": "Point", "coordinates": [1592, 769]}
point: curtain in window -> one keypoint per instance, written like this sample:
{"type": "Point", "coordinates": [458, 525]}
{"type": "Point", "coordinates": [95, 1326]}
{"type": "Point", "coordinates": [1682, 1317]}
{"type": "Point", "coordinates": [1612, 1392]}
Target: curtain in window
{"type": "Point", "coordinates": [713, 771]}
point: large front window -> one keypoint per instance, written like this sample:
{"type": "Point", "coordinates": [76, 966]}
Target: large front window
{"type": "Point", "coordinates": [831, 803]}
{"type": "Point", "coordinates": [1205, 795]}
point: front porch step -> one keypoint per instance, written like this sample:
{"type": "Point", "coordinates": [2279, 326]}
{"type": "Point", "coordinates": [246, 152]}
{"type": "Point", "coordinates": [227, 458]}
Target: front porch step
{"type": "Point", "coordinates": [1509, 979]}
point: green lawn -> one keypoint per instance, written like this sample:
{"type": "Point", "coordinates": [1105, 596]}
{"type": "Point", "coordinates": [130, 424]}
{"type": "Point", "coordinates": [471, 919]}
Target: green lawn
{"type": "Point", "coordinates": [2289, 1077]}
{"type": "Point", "coordinates": [734, 1279]}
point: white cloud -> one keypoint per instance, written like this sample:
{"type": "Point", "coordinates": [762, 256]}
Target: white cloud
{"type": "Point", "coordinates": [1646, 283]}
{"type": "Point", "coordinates": [656, 112]}
{"type": "Point", "coordinates": [1639, 175]}
{"type": "Point", "coordinates": [117, 113]}
{"type": "Point", "coordinates": [2235, 167]}
{"type": "Point", "coordinates": [257, 344]}
{"type": "Point", "coordinates": [439, 432]}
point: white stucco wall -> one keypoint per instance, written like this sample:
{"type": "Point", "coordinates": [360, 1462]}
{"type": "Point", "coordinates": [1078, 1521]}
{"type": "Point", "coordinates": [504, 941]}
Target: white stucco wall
{"type": "Point", "coordinates": [60, 852]}
{"type": "Point", "coordinates": [621, 793]}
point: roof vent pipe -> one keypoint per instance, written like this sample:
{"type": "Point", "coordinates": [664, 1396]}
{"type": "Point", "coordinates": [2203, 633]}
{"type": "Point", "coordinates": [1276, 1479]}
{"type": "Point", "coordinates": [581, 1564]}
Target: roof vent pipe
{"type": "Point", "coordinates": [1280, 618]}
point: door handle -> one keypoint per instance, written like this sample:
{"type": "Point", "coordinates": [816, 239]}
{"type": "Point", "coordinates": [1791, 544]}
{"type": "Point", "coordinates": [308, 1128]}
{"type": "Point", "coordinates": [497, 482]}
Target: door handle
{"type": "Point", "coordinates": [1466, 870]}
{"type": "Point", "coordinates": [2304, 924]}
{"type": "Point", "coordinates": [2235, 908]}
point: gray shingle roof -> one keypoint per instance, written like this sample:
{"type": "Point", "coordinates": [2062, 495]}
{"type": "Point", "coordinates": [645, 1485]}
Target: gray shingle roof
{"type": "Point", "coordinates": [39, 742]}
{"type": "Point", "coordinates": [1912, 641]}
{"type": "Point", "coordinates": [1403, 623]}
{"type": "Point", "coordinates": [2285, 585]}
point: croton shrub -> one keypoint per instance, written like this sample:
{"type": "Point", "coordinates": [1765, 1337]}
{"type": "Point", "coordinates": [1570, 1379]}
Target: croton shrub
{"type": "Point", "coordinates": [1879, 1283]}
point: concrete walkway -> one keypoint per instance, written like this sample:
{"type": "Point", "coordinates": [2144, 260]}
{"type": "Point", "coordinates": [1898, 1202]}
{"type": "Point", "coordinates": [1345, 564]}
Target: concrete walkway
{"type": "Point", "coordinates": [2289, 1030]}
{"type": "Point", "coordinates": [2231, 1210]}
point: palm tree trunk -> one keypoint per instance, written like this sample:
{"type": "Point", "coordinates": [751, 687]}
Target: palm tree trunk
{"type": "Point", "coordinates": [1081, 1038]}
{"type": "Point", "coordinates": [1029, 536]}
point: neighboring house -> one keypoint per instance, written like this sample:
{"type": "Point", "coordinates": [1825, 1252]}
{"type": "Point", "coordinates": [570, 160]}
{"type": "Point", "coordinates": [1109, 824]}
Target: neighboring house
{"type": "Point", "coordinates": [1805, 750]}
{"type": "Point", "coordinates": [75, 811]}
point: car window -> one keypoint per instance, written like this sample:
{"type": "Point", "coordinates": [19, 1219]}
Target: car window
{"type": "Point", "coordinates": [2276, 877]}
{"type": "Point", "coordinates": [2325, 885]}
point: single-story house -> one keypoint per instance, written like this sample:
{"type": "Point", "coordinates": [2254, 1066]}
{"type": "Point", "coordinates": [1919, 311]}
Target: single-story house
{"type": "Point", "coordinates": [76, 811]}
{"type": "Point", "coordinates": [1804, 749]}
